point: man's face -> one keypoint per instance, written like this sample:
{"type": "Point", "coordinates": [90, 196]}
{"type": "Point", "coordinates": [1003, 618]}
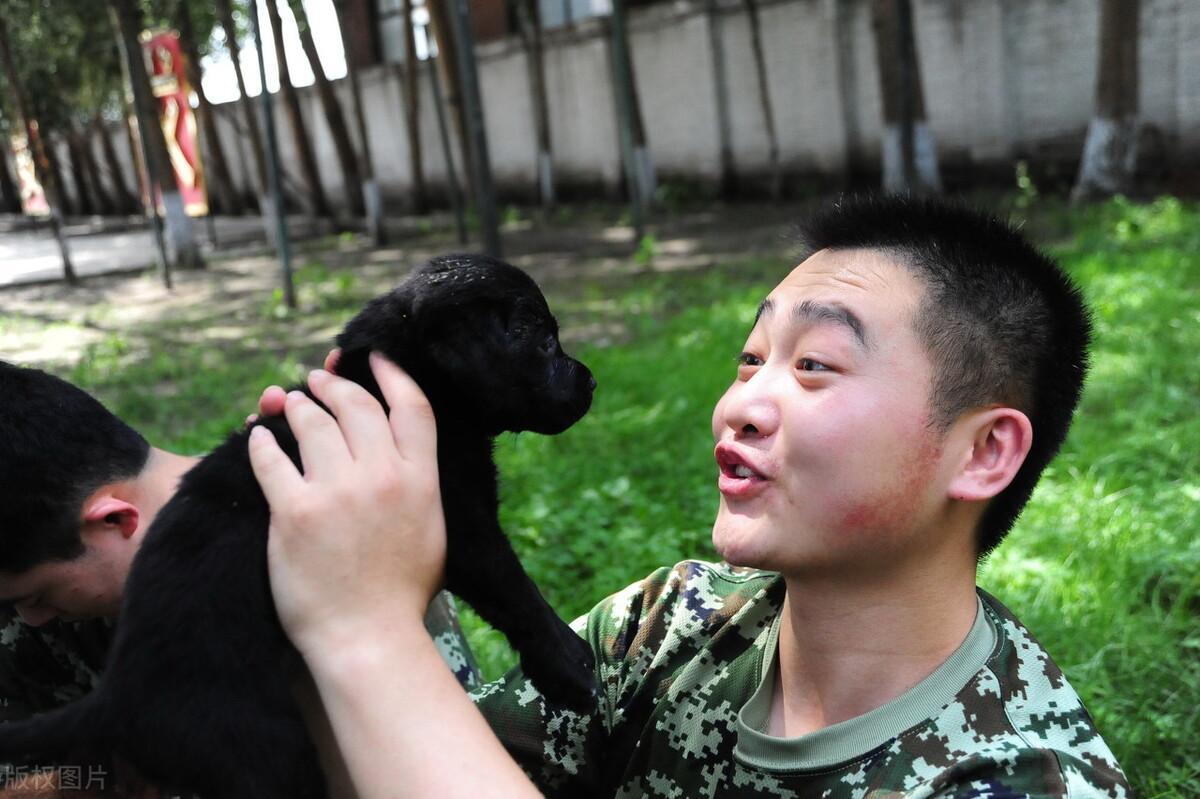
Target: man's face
{"type": "Point", "coordinates": [86, 587]}
{"type": "Point", "coordinates": [825, 452]}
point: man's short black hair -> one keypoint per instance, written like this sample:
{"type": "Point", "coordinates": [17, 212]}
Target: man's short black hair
{"type": "Point", "coordinates": [57, 446]}
{"type": "Point", "coordinates": [1000, 320]}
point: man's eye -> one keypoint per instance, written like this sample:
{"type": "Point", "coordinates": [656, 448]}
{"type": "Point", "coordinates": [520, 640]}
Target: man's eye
{"type": "Point", "coordinates": [809, 365]}
{"type": "Point", "coordinates": [749, 359]}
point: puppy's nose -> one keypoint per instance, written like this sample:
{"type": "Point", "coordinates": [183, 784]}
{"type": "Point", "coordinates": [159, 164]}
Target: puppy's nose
{"type": "Point", "coordinates": [591, 384]}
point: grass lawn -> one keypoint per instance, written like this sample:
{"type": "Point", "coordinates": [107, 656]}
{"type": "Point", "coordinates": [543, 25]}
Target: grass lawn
{"type": "Point", "coordinates": [1104, 566]}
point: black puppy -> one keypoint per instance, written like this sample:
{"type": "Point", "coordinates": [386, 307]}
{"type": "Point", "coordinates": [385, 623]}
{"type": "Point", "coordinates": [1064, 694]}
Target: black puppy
{"type": "Point", "coordinates": [194, 693]}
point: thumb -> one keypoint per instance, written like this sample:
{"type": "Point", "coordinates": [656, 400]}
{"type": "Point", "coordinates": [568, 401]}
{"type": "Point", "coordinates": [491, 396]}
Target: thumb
{"type": "Point", "coordinates": [275, 472]}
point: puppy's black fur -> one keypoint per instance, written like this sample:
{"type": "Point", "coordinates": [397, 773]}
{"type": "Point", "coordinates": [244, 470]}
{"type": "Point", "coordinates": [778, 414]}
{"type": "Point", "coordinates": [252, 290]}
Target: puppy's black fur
{"type": "Point", "coordinates": [194, 693]}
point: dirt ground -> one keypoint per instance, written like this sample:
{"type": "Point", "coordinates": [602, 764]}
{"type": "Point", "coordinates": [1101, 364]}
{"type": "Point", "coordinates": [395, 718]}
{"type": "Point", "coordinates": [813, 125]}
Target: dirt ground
{"type": "Point", "coordinates": [584, 249]}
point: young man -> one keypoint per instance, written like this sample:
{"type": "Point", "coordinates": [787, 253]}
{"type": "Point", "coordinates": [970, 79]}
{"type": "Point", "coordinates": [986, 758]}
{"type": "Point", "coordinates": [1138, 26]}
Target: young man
{"type": "Point", "coordinates": [80, 488]}
{"type": "Point", "coordinates": [898, 397]}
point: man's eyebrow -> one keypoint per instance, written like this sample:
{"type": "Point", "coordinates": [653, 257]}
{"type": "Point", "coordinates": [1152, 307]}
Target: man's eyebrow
{"type": "Point", "coordinates": [810, 312]}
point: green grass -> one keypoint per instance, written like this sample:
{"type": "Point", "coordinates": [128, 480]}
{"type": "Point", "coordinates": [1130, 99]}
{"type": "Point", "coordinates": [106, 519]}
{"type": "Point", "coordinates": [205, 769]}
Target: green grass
{"type": "Point", "coordinates": [1104, 566]}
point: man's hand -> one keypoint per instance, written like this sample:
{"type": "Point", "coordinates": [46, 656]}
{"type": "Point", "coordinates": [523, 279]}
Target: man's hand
{"type": "Point", "coordinates": [359, 537]}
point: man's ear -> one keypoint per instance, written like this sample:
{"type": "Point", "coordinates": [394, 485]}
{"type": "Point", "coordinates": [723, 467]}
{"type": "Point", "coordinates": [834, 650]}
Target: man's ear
{"type": "Point", "coordinates": [999, 440]}
{"type": "Point", "coordinates": [112, 513]}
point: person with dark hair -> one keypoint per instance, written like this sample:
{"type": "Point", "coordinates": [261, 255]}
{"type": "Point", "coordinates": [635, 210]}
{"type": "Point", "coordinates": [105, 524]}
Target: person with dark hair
{"type": "Point", "coordinates": [899, 395]}
{"type": "Point", "coordinates": [80, 488]}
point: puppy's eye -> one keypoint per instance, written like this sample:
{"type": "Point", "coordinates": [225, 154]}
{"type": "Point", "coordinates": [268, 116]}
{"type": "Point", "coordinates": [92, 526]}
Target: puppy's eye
{"type": "Point", "coordinates": [549, 346]}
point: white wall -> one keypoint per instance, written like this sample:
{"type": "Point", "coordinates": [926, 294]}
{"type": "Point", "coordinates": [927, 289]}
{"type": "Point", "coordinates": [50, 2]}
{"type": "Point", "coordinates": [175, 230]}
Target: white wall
{"type": "Point", "coordinates": [1002, 79]}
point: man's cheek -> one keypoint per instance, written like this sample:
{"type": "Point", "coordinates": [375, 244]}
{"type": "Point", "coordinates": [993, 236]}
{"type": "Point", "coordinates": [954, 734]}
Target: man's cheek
{"type": "Point", "coordinates": [893, 506]}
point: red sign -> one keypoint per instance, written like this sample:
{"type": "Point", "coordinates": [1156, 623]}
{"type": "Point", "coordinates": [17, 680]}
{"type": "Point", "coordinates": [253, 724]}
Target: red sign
{"type": "Point", "coordinates": [168, 79]}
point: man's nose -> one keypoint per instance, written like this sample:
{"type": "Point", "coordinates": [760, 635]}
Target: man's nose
{"type": "Point", "coordinates": [754, 411]}
{"type": "Point", "coordinates": [35, 616]}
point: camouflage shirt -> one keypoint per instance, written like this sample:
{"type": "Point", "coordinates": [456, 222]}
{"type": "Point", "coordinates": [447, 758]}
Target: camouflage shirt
{"type": "Point", "coordinates": [685, 661]}
{"type": "Point", "coordinates": [44, 667]}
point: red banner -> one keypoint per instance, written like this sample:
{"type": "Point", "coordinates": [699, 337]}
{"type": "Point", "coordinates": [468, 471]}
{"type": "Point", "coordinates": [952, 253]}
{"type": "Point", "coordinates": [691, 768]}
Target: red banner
{"type": "Point", "coordinates": [168, 78]}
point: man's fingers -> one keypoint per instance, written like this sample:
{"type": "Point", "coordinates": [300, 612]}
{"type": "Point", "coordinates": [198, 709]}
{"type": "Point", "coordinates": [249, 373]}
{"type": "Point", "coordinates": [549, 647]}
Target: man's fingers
{"type": "Point", "coordinates": [411, 417]}
{"type": "Point", "coordinates": [323, 449]}
{"type": "Point", "coordinates": [272, 401]}
{"type": "Point", "coordinates": [274, 470]}
{"type": "Point", "coordinates": [359, 415]}
{"type": "Point", "coordinates": [331, 360]}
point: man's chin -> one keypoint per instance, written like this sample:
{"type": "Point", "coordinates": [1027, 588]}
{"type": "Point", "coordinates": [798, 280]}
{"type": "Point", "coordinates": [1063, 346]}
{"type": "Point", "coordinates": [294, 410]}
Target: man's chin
{"type": "Point", "coordinates": [739, 546]}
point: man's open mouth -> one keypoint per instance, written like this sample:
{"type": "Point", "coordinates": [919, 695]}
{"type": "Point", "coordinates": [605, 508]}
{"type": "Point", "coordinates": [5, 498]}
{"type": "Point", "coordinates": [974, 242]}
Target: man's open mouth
{"type": "Point", "coordinates": [739, 477]}
{"type": "Point", "coordinates": [734, 464]}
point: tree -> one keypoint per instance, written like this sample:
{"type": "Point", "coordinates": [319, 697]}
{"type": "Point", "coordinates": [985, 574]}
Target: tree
{"type": "Point", "coordinates": [372, 202]}
{"type": "Point", "coordinates": [764, 99]}
{"type": "Point", "coordinates": [481, 168]}
{"type": "Point", "coordinates": [412, 111]}
{"type": "Point", "coordinates": [530, 27]}
{"type": "Point", "coordinates": [225, 18]}
{"type": "Point", "coordinates": [334, 119]}
{"type": "Point", "coordinates": [10, 193]}
{"type": "Point", "coordinates": [219, 177]}
{"type": "Point", "coordinates": [182, 250]}
{"type": "Point", "coordinates": [37, 149]}
{"type": "Point", "coordinates": [1110, 148]}
{"type": "Point", "coordinates": [87, 176]}
{"type": "Point", "coordinates": [318, 205]}
{"type": "Point", "coordinates": [85, 202]}
{"type": "Point", "coordinates": [123, 199]}
{"type": "Point", "coordinates": [447, 63]}
{"type": "Point", "coordinates": [909, 154]}
{"type": "Point", "coordinates": [728, 174]}
{"type": "Point", "coordinates": [629, 128]}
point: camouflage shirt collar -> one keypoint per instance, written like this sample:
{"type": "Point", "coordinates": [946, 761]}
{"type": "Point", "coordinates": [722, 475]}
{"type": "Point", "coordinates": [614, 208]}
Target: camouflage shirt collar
{"type": "Point", "coordinates": [856, 737]}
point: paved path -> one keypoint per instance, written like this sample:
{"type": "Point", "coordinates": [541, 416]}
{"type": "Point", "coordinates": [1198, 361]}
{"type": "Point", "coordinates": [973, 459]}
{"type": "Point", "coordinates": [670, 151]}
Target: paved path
{"type": "Point", "coordinates": [29, 253]}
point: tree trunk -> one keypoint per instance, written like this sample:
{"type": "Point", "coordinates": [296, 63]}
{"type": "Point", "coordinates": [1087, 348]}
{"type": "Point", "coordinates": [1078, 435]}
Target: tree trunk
{"type": "Point", "coordinates": [79, 176]}
{"type": "Point", "coordinates": [727, 179]}
{"type": "Point", "coordinates": [272, 199]}
{"type": "Point", "coordinates": [1110, 149]}
{"type": "Point", "coordinates": [318, 205]}
{"type": "Point", "coordinates": [481, 178]}
{"type": "Point", "coordinates": [123, 198]}
{"type": "Point", "coordinates": [643, 163]}
{"type": "Point", "coordinates": [909, 153]}
{"type": "Point", "coordinates": [37, 149]}
{"type": "Point", "coordinates": [218, 174]}
{"type": "Point", "coordinates": [372, 203]}
{"type": "Point", "coordinates": [775, 183]}
{"type": "Point", "coordinates": [101, 199]}
{"type": "Point", "coordinates": [225, 16]}
{"type": "Point", "coordinates": [626, 102]}
{"type": "Point", "coordinates": [447, 61]}
{"type": "Point", "coordinates": [104, 197]}
{"type": "Point", "coordinates": [10, 192]}
{"type": "Point", "coordinates": [69, 203]}
{"type": "Point", "coordinates": [639, 170]}
{"type": "Point", "coordinates": [182, 249]}
{"type": "Point", "coordinates": [351, 177]}
{"type": "Point", "coordinates": [412, 109]}
{"type": "Point", "coordinates": [842, 16]}
{"type": "Point", "coordinates": [530, 26]}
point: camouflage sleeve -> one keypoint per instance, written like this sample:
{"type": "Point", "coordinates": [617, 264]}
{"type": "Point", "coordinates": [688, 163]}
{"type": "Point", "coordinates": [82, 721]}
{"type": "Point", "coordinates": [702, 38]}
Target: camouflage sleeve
{"type": "Point", "coordinates": [441, 620]}
{"type": "Point", "coordinates": [565, 752]}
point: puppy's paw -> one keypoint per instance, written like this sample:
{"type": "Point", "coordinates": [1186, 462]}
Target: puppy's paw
{"type": "Point", "coordinates": [564, 671]}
